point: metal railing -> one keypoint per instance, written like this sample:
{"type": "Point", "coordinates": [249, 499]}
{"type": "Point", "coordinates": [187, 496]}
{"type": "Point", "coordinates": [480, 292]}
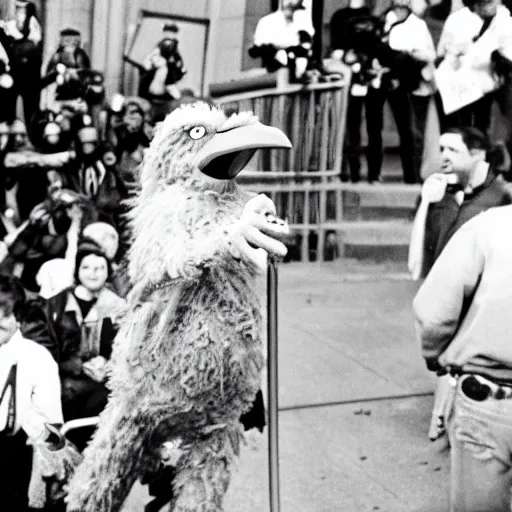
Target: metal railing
{"type": "Point", "coordinates": [312, 116]}
{"type": "Point", "coordinates": [303, 182]}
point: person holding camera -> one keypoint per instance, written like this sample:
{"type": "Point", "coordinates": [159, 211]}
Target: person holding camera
{"type": "Point", "coordinates": [22, 38]}
{"type": "Point", "coordinates": [284, 39]}
{"type": "Point", "coordinates": [354, 34]}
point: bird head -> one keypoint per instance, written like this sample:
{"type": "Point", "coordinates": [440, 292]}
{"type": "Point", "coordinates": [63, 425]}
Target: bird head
{"type": "Point", "coordinates": [198, 142]}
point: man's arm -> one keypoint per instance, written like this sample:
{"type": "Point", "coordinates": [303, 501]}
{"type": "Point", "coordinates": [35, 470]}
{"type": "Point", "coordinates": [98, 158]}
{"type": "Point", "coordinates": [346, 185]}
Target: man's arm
{"type": "Point", "coordinates": [442, 298]}
{"type": "Point", "coordinates": [46, 399]}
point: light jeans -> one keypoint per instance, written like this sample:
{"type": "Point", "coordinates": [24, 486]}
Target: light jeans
{"type": "Point", "coordinates": [481, 454]}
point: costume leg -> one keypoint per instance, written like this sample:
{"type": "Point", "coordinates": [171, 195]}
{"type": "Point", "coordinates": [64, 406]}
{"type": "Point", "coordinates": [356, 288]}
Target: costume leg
{"type": "Point", "coordinates": [204, 471]}
{"type": "Point", "coordinates": [375, 100]}
{"type": "Point", "coordinates": [112, 461]}
{"type": "Point", "coordinates": [402, 112]}
{"type": "Point", "coordinates": [481, 467]}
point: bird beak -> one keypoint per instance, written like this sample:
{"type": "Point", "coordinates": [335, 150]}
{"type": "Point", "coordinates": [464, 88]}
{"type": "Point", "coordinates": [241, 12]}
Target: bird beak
{"type": "Point", "coordinates": [229, 151]}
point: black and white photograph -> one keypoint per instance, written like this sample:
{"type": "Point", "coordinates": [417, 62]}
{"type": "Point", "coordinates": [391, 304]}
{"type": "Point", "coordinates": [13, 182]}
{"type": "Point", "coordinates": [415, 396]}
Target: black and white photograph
{"type": "Point", "coordinates": [255, 255]}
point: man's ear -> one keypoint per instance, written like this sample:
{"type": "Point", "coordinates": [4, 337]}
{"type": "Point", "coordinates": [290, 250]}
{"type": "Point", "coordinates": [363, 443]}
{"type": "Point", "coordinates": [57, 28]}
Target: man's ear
{"type": "Point", "coordinates": [480, 154]}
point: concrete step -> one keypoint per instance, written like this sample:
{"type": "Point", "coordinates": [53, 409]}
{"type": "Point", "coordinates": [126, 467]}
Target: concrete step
{"type": "Point", "coordinates": [386, 240]}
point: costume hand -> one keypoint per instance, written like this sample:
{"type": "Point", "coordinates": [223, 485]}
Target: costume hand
{"type": "Point", "coordinates": [434, 188]}
{"type": "Point", "coordinates": [257, 234]}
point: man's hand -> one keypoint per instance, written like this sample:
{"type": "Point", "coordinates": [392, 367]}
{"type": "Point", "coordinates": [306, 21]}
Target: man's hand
{"type": "Point", "coordinates": [257, 233]}
{"type": "Point", "coordinates": [75, 213]}
{"type": "Point", "coordinates": [434, 188]}
{"type": "Point", "coordinates": [96, 368]}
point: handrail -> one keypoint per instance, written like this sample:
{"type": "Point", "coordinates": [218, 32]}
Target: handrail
{"type": "Point", "coordinates": [275, 91]}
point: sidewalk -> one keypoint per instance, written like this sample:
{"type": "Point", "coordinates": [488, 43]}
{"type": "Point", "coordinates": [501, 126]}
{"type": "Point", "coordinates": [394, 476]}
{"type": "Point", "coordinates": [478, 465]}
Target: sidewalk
{"type": "Point", "coordinates": [355, 399]}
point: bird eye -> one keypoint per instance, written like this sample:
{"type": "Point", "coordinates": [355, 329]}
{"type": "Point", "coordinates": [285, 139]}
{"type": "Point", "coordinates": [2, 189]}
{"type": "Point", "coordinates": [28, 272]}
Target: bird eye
{"type": "Point", "coordinates": [198, 132]}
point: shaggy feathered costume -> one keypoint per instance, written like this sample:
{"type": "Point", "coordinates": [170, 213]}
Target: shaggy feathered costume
{"type": "Point", "coordinates": [187, 360]}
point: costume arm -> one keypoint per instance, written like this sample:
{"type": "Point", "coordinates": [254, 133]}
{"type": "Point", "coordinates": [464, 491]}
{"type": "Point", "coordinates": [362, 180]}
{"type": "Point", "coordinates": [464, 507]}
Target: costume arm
{"type": "Point", "coordinates": [441, 300]}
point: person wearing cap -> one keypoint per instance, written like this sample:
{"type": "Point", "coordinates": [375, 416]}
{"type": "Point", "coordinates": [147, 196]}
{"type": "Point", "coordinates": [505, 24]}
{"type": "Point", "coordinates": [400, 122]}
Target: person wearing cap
{"type": "Point", "coordinates": [22, 38]}
{"type": "Point", "coordinates": [83, 321]}
{"type": "Point", "coordinates": [463, 322]}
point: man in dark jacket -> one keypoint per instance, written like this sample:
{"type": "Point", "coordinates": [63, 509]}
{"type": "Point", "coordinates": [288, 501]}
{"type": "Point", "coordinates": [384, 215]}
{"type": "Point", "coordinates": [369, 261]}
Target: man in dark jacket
{"type": "Point", "coordinates": [465, 186]}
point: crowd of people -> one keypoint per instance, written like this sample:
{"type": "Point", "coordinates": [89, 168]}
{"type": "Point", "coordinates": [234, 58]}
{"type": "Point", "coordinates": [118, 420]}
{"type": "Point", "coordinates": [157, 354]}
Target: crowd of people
{"type": "Point", "coordinates": [69, 170]}
{"type": "Point", "coordinates": [69, 160]}
{"type": "Point", "coordinates": [456, 57]}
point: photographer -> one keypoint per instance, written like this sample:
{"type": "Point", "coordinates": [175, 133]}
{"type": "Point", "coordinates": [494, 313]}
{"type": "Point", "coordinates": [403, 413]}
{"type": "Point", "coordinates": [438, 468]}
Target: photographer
{"type": "Point", "coordinates": [470, 37]}
{"type": "Point", "coordinates": [405, 54]}
{"type": "Point", "coordinates": [22, 39]}
{"type": "Point", "coordinates": [44, 236]}
{"type": "Point", "coordinates": [164, 68]}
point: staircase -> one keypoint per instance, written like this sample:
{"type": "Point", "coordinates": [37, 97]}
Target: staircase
{"type": "Point", "coordinates": [344, 219]}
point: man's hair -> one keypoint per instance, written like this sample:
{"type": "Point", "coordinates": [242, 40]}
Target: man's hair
{"type": "Point", "coordinates": [12, 296]}
{"type": "Point", "coordinates": [473, 138]}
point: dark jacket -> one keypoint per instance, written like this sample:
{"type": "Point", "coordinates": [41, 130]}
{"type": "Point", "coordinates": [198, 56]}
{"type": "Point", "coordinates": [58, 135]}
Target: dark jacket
{"type": "Point", "coordinates": [67, 327]}
{"type": "Point", "coordinates": [446, 217]}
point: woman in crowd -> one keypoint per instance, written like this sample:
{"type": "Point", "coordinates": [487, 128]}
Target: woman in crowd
{"type": "Point", "coordinates": [83, 323]}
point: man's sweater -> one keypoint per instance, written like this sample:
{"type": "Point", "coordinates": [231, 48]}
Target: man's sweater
{"type": "Point", "coordinates": [463, 309]}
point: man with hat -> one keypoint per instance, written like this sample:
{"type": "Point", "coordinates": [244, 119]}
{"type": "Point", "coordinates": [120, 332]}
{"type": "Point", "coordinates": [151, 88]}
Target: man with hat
{"type": "Point", "coordinates": [92, 173]}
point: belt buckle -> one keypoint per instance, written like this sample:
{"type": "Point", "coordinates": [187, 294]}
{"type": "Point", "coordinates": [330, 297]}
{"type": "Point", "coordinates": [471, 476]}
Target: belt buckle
{"type": "Point", "coordinates": [475, 390]}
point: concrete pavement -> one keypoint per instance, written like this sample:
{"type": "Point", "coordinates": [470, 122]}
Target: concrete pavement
{"type": "Point", "coordinates": [355, 399]}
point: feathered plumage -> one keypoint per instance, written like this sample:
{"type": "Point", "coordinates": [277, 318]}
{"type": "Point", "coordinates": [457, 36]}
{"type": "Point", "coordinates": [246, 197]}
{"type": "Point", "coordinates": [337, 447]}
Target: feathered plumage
{"type": "Point", "coordinates": [188, 357]}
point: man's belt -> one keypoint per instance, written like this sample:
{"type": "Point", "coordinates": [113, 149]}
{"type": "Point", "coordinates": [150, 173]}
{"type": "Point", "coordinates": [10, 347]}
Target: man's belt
{"type": "Point", "coordinates": [479, 389]}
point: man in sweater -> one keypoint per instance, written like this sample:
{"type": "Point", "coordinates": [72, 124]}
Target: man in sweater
{"type": "Point", "coordinates": [463, 320]}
